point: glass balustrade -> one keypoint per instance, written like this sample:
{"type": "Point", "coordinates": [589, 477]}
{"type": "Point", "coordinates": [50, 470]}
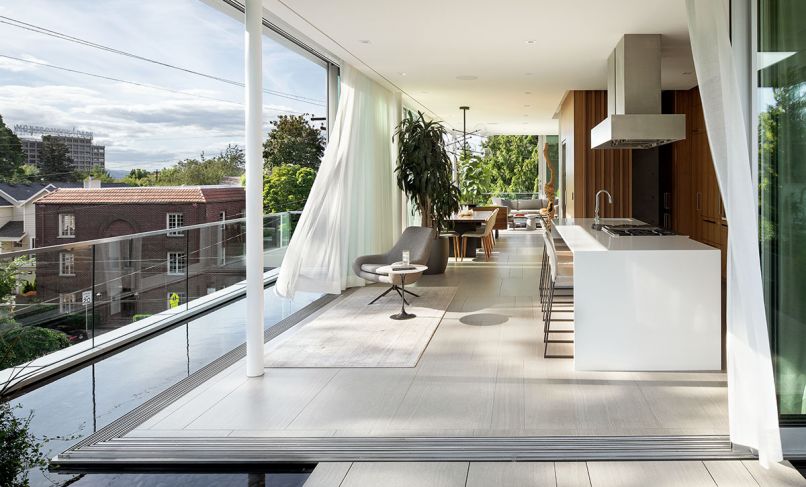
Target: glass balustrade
{"type": "Point", "coordinates": [64, 300]}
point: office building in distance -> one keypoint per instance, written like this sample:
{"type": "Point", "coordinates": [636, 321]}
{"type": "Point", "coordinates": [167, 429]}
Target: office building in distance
{"type": "Point", "coordinates": [83, 152]}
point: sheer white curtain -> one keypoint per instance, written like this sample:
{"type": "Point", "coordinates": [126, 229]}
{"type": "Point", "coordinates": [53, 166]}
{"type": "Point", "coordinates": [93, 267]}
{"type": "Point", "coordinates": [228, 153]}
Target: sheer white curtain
{"type": "Point", "coordinates": [751, 391]}
{"type": "Point", "coordinates": [353, 208]}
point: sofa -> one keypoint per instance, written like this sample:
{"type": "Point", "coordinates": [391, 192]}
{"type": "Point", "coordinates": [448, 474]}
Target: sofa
{"type": "Point", "coordinates": [530, 206]}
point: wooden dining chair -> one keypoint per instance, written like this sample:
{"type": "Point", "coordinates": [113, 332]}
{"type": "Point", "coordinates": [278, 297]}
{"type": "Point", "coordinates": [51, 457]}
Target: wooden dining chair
{"type": "Point", "coordinates": [485, 234]}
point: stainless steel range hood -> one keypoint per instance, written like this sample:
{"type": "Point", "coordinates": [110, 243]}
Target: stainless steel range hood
{"type": "Point", "coordinates": [634, 118]}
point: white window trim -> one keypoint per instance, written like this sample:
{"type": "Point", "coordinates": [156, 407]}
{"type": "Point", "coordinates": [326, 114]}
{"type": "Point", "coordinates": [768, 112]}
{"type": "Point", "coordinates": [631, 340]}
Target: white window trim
{"type": "Point", "coordinates": [61, 225]}
{"type": "Point", "coordinates": [62, 256]}
{"type": "Point", "coordinates": [168, 224]}
{"type": "Point", "coordinates": [168, 264]}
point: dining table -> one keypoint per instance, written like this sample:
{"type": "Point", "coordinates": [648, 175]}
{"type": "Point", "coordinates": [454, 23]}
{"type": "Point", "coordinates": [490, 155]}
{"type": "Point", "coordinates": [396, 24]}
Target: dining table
{"type": "Point", "coordinates": [469, 222]}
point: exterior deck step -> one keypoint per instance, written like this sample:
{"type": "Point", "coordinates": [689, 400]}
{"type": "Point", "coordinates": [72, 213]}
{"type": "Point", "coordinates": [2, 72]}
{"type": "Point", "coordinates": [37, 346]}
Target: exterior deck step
{"type": "Point", "coordinates": [229, 451]}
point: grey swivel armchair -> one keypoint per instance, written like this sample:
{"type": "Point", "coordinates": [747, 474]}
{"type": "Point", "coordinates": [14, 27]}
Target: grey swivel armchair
{"type": "Point", "coordinates": [417, 240]}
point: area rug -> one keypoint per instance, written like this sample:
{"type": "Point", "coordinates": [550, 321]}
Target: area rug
{"type": "Point", "coordinates": [353, 333]}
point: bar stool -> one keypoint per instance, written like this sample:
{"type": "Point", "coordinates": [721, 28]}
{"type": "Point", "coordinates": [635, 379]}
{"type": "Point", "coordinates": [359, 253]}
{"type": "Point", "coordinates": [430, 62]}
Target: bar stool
{"type": "Point", "coordinates": [559, 277]}
{"type": "Point", "coordinates": [564, 257]}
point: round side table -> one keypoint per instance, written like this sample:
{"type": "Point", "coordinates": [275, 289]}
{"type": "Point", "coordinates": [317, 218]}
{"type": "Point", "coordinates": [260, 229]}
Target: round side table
{"type": "Point", "coordinates": [388, 269]}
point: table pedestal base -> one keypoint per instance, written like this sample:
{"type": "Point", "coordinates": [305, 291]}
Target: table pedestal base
{"type": "Point", "coordinates": [403, 315]}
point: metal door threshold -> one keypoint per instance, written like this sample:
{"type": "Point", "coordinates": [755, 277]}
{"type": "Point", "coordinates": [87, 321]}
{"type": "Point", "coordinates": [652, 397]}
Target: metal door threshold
{"type": "Point", "coordinates": [138, 452]}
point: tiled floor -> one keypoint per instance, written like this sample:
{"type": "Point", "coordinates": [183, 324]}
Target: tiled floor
{"type": "Point", "coordinates": [559, 474]}
{"type": "Point", "coordinates": [482, 374]}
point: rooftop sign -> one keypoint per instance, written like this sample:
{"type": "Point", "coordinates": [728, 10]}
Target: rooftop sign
{"type": "Point", "coordinates": [35, 129]}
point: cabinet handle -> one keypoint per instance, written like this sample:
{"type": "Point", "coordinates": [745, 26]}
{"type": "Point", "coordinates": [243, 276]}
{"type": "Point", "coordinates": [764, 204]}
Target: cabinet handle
{"type": "Point", "coordinates": [698, 200]}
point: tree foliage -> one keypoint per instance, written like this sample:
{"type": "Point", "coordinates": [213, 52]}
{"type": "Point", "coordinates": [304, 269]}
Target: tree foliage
{"type": "Point", "coordinates": [293, 140]}
{"type": "Point", "coordinates": [508, 164]}
{"type": "Point", "coordinates": [98, 173]}
{"type": "Point", "coordinates": [56, 163]}
{"type": "Point", "coordinates": [782, 138]}
{"type": "Point", "coordinates": [286, 188]}
{"type": "Point", "coordinates": [20, 450]}
{"type": "Point", "coordinates": [11, 155]}
{"type": "Point", "coordinates": [193, 172]}
{"type": "Point", "coordinates": [513, 161]}
{"type": "Point", "coordinates": [476, 179]}
{"type": "Point", "coordinates": [20, 344]}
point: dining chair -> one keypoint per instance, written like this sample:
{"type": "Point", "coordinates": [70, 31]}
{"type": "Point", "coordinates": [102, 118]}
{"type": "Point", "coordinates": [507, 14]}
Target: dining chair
{"type": "Point", "coordinates": [455, 238]}
{"type": "Point", "coordinates": [485, 234]}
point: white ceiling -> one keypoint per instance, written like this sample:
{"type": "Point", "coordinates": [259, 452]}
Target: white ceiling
{"type": "Point", "coordinates": [435, 41]}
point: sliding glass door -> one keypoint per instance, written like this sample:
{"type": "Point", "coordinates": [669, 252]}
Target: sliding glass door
{"type": "Point", "coordinates": [781, 108]}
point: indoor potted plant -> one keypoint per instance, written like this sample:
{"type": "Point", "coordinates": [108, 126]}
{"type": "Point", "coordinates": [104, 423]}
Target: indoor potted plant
{"type": "Point", "coordinates": [424, 173]}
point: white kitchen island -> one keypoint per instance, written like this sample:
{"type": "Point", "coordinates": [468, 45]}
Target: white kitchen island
{"type": "Point", "coordinates": [643, 303]}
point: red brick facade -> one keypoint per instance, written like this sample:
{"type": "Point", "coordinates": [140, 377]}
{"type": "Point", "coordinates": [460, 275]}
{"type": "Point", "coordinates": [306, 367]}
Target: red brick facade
{"type": "Point", "coordinates": [132, 277]}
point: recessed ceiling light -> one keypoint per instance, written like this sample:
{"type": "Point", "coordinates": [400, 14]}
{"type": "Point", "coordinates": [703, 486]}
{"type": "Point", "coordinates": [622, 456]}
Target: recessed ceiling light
{"type": "Point", "coordinates": [525, 114]}
{"type": "Point", "coordinates": [527, 106]}
{"type": "Point", "coordinates": [467, 77]}
{"type": "Point", "coordinates": [528, 74]}
{"type": "Point", "coordinates": [364, 41]}
{"type": "Point", "coordinates": [531, 41]}
{"type": "Point", "coordinates": [402, 73]}
{"type": "Point", "coordinates": [527, 92]}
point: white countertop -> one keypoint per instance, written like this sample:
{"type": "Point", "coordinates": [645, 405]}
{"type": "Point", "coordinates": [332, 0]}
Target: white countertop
{"type": "Point", "coordinates": [579, 235]}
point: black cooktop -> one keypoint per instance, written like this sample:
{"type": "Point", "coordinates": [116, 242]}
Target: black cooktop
{"type": "Point", "coordinates": [628, 230]}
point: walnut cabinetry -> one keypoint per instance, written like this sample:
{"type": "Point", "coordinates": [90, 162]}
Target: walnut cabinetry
{"type": "Point", "coordinates": [697, 207]}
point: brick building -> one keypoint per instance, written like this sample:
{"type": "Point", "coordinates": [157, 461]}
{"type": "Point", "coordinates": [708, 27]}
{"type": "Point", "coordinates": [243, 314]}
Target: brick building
{"type": "Point", "coordinates": [140, 276]}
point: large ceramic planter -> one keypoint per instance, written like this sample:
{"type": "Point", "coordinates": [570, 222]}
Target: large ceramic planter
{"type": "Point", "coordinates": [440, 251]}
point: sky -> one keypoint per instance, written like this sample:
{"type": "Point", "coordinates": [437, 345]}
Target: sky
{"type": "Point", "coordinates": [162, 115]}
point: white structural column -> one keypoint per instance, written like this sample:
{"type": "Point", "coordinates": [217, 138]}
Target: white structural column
{"type": "Point", "coordinates": [253, 100]}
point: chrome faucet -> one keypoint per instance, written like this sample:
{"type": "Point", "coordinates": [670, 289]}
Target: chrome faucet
{"type": "Point", "coordinates": [596, 222]}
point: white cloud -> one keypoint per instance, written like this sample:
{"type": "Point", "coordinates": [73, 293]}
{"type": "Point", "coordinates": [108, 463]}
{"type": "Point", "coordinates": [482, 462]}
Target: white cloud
{"type": "Point", "coordinates": [142, 126]}
{"type": "Point", "coordinates": [17, 66]}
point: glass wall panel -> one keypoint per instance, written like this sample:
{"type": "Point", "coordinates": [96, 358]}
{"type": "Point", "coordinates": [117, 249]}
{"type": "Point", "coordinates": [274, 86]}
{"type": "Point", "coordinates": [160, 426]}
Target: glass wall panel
{"type": "Point", "coordinates": [781, 106]}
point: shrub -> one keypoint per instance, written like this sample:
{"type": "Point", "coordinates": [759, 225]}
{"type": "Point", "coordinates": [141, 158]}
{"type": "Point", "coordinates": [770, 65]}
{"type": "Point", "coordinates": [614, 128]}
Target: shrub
{"type": "Point", "coordinates": [20, 449]}
{"type": "Point", "coordinates": [19, 344]}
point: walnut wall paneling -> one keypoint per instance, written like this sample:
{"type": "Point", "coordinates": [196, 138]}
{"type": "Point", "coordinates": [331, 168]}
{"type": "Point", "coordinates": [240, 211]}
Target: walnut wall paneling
{"type": "Point", "coordinates": [567, 124]}
{"type": "Point", "coordinates": [588, 170]}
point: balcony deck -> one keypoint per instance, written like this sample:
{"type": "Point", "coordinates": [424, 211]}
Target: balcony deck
{"type": "Point", "coordinates": [481, 390]}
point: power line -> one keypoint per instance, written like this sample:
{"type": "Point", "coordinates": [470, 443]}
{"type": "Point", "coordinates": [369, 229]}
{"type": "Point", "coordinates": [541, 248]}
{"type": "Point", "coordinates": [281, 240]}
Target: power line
{"type": "Point", "coordinates": [142, 85]}
{"type": "Point", "coordinates": [41, 30]}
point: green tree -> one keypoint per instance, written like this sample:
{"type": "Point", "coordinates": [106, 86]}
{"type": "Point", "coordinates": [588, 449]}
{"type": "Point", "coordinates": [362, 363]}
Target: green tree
{"type": "Point", "coordinates": [192, 172]}
{"type": "Point", "coordinates": [11, 155]}
{"type": "Point", "coordinates": [293, 140]}
{"type": "Point", "coordinates": [27, 173]}
{"type": "Point", "coordinates": [99, 174]}
{"type": "Point", "coordinates": [513, 160]}
{"type": "Point", "coordinates": [286, 188]}
{"type": "Point", "coordinates": [137, 177]}
{"type": "Point", "coordinates": [56, 165]}
{"type": "Point", "coordinates": [474, 175]}
{"type": "Point", "coordinates": [20, 344]}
